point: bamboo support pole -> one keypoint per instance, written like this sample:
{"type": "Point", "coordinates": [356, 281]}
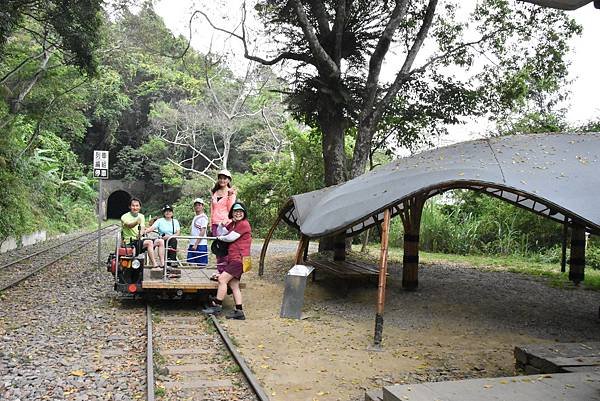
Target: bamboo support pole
{"type": "Point", "coordinates": [411, 219]}
{"type": "Point", "coordinates": [300, 250]}
{"type": "Point", "coordinates": [383, 262]}
{"type": "Point", "coordinates": [263, 250]}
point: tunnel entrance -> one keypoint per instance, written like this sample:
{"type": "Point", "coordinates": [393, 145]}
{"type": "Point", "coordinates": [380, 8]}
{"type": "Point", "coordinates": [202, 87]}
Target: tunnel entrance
{"type": "Point", "coordinates": [117, 204]}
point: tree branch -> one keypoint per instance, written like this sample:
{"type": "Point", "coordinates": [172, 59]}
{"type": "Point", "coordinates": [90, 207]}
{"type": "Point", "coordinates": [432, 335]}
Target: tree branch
{"type": "Point", "coordinates": [338, 29]}
{"type": "Point", "coordinates": [202, 173]}
{"type": "Point", "coordinates": [21, 64]}
{"type": "Point", "coordinates": [378, 55]}
{"type": "Point", "coordinates": [323, 60]}
{"type": "Point", "coordinates": [403, 75]}
{"type": "Point", "coordinates": [284, 55]}
{"type": "Point", "coordinates": [318, 9]}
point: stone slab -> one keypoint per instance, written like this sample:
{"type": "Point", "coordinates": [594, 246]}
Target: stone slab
{"type": "Point", "coordinates": [549, 387]}
{"type": "Point", "coordinates": [374, 395]}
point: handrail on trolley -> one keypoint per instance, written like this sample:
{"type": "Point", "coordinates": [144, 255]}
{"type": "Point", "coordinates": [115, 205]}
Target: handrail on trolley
{"type": "Point", "coordinates": [164, 261]}
{"type": "Point", "coordinates": [117, 264]}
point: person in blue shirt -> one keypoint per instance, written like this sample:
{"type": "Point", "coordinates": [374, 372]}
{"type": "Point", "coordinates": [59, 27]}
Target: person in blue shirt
{"type": "Point", "coordinates": [166, 226]}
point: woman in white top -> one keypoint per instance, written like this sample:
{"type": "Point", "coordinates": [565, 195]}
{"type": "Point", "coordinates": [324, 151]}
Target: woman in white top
{"type": "Point", "coordinates": [198, 248]}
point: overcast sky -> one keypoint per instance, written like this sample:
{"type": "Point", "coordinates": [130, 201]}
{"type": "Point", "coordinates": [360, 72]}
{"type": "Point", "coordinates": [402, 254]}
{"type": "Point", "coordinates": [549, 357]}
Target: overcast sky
{"type": "Point", "coordinates": [585, 71]}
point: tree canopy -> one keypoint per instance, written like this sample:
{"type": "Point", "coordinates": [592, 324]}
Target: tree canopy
{"type": "Point", "coordinates": [340, 49]}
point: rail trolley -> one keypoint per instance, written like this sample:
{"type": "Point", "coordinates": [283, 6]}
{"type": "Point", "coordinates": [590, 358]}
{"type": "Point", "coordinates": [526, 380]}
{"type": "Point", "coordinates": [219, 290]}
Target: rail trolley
{"type": "Point", "coordinates": [133, 277]}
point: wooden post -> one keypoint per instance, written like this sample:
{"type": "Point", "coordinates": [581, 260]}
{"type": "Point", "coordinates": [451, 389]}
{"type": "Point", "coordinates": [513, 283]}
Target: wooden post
{"type": "Point", "coordinates": [411, 219]}
{"type": "Point", "coordinates": [577, 260]}
{"type": "Point", "coordinates": [563, 259]}
{"type": "Point", "coordinates": [263, 251]}
{"type": "Point", "coordinates": [300, 251]}
{"type": "Point", "coordinates": [382, 278]}
{"type": "Point", "coordinates": [339, 247]}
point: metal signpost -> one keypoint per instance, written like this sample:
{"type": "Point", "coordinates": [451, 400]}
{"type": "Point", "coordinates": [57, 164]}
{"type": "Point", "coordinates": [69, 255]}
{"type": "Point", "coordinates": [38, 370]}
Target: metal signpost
{"type": "Point", "coordinates": [100, 172]}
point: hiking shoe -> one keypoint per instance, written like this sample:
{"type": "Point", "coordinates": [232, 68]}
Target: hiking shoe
{"type": "Point", "coordinates": [213, 310]}
{"type": "Point", "coordinates": [236, 314]}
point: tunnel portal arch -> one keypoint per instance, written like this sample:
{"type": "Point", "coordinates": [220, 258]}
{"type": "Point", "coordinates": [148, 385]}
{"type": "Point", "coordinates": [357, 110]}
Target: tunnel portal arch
{"type": "Point", "coordinates": [117, 204]}
{"type": "Point", "coordinates": [116, 195]}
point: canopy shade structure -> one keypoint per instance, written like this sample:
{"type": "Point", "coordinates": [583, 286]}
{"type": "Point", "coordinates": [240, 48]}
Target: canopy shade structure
{"type": "Point", "coordinates": [560, 4]}
{"type": "Point", "coordinates": [554, 175]}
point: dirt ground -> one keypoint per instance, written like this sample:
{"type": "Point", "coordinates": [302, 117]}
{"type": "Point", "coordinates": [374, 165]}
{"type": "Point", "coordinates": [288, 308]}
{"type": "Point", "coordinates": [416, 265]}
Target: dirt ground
{"type": "Point", "coordinates": [460, 323]}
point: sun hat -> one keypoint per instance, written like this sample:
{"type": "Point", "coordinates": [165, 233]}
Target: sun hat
{"type": "Point", "coordinates": [238, 206]}
{"type": "Point", "coordinates": [198, 200]}
{"type": "Point", "coordinates": [224, 172]}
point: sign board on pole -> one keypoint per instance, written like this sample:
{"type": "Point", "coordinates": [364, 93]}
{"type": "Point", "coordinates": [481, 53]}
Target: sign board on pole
{"type": "Point", "coordinates": [100, 172]}
{"type": "Point", "coordinates": [101, 164]}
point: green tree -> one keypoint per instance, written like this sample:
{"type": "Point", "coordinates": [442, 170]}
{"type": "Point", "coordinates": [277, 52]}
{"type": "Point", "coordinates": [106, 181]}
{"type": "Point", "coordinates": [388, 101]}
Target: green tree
{"type": "Point", "coordinates": [68, 26]}
{"type": "Point", "coordinates": [339, 48]}
{"type": "Point", "coordinates": [269, 184]}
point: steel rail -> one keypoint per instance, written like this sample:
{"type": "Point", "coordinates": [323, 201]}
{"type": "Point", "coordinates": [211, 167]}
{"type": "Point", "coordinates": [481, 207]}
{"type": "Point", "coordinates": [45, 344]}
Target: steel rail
{"type": "Point", "coordinates": [34, 271]}
{"type": "Point", "coordinates": [252, 380]}
{"type": "Point", "coordinates": [47, 249]}
{"type": "Point", "coordinates": [149, 356]}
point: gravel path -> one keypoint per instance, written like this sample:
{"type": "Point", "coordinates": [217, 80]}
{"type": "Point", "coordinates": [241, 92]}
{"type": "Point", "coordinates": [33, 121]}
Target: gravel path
{"type": "Point", "coordinates": [465, 296]}
{"type": "Point", "coordinates": [65, 337]}
{"type": "Point", "coordinates": [486, 301]}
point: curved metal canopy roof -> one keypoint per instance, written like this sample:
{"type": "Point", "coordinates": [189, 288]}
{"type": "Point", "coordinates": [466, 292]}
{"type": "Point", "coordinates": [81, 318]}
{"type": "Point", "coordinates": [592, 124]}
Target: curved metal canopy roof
{"type": "Point", "coordinates": [555, 175]}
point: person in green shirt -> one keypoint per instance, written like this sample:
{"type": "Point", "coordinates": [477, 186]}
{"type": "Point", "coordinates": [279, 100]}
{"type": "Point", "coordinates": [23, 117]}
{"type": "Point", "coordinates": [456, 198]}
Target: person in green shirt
{"type": "Point", "coordinates": [133, 226]}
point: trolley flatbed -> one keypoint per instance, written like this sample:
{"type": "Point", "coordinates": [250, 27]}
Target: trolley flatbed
{"type": "Point", "coordinates": [191, 279]}
{"type": "Point", "coordinates": [134, 277]}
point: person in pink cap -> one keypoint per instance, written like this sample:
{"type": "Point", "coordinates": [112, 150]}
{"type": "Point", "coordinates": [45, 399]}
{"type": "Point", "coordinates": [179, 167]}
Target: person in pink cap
{"type": "Point", "coordinates": [222, 198]}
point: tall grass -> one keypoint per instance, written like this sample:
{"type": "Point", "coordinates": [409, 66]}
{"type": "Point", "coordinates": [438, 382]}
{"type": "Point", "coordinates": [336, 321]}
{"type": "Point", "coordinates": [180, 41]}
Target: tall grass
{"type": "Point", "coordinates": [473, 224]}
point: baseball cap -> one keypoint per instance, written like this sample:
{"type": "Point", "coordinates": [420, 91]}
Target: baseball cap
{"type": "Point", "coordinates": [198, 200]}
{"type": "Point", "coordinates": [166, 207]}
{"type": "Point", "coordinates": [224, 172]}
{"type": "Point", "coordinates": [238, 206]}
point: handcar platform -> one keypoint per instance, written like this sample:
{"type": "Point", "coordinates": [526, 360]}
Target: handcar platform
{"type": "Point", "coordinates": [192, 278]}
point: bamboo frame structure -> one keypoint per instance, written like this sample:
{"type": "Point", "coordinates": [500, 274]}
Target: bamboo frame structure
{"type": "Point", "coordinates": [263, 250]}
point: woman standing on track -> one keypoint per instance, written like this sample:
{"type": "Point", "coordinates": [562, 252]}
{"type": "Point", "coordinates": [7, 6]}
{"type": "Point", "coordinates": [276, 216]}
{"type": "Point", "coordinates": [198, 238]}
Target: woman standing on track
{"type": "Point", "coordinates": [238, 234]}
{"type": "Point", "coordinates": [222, 199]}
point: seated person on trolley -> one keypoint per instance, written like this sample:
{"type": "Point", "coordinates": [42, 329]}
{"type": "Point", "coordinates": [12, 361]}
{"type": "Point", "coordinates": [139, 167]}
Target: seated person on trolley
{"type": "Point", "coordinates": [167, 226]}
{"type": "Point", "coordinates": [133, 227]}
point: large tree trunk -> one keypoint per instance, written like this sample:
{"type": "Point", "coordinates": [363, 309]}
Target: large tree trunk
{"type": "Point", "coordinates": [362, 148]}
{"type": "Point", "coordinates": [334, 157]}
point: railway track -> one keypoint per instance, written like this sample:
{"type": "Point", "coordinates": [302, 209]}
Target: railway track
{"type": "Point", "coordinates": [191, 357]}
{"type": "Point", "coordinates": [14, 272]}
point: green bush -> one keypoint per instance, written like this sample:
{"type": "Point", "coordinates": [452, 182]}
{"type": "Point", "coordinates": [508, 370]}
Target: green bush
{"type": "Point", "coordinates": [268, 185]}
{"type": "Point", "coordinates": [471, 223]}
{"type": "Point", "coordinates": [592, 257]}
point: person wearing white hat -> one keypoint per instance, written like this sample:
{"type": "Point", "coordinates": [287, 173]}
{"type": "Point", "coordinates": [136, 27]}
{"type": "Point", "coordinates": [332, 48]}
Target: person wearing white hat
{"type": "Point", "coordinates": [198, 250]}
{"type": "Point", "coordinates": [222, 198]}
